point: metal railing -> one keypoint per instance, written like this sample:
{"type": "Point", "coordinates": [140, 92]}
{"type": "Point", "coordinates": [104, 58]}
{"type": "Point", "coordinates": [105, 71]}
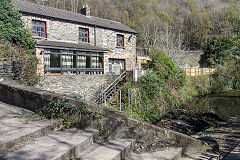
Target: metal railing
{"type": "Point", "coordinates": [111, 89]}
{"type": "Point", "coordinates": [10, 68]}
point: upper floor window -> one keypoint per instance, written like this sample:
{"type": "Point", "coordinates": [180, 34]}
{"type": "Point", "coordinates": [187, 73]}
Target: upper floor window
{"type": "Point", "coordinates": [83, 34]}
{"type": "Point", "coordinates": [38, 28]}
{"type": "Point", "coordinates": [120, 41]}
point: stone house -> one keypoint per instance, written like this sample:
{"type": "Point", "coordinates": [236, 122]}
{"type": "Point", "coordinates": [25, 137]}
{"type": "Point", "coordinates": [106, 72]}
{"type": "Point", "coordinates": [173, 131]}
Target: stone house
{"type": "Point", "coordinates": [74, 43]}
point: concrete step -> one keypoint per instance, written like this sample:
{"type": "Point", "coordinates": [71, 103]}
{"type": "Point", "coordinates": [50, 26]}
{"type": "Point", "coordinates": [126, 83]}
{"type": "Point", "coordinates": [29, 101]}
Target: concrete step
{"type": "Point", "coordinates": [61, 145]}
{"type": "Point", "coordinates": [173, 153]}
{"type": "Point", "coordinates": [18, 127]}
{"type": "Point", "coordinates": [112, 150]}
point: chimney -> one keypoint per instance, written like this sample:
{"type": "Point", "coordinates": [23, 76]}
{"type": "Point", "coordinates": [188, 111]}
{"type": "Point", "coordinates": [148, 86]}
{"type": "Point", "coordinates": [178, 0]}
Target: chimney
{"type": "Point", "coordinates": [85, 10]}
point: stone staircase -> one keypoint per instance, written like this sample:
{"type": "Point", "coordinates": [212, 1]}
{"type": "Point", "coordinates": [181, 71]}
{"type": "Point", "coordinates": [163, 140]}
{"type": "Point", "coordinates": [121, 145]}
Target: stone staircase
{"type": "Point", "coordinates": [23, 136]}
{"type": "Point", "coordinates": [172, 153]}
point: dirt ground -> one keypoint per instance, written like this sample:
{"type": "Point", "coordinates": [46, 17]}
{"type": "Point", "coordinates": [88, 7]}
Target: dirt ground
{"type": "Point", "coordinates": [224, 136]}
{"type": "Point", "coordinates": [188, 121]}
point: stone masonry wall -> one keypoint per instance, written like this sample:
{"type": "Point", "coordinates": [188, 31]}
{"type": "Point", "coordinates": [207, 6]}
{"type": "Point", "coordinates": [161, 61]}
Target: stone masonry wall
{"type": "Point", "coordinates": [87, 87]}
{"type": "Point", "coordinates": [107, 39]}
{"type": "Point", "coordinates": [69, 32]}
{"type": "Point", "coordinates": [40, 66]}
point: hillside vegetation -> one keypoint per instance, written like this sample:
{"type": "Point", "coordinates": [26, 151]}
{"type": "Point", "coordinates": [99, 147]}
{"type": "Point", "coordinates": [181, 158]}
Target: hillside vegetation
{"type": "Point", "coordinates": [165, 24]}
{"type": "Point", "coordinates": [16, 43]}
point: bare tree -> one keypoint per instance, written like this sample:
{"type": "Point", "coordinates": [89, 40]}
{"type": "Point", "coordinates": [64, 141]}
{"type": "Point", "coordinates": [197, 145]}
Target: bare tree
{"type": "Point", "coordinates": [158, 34]}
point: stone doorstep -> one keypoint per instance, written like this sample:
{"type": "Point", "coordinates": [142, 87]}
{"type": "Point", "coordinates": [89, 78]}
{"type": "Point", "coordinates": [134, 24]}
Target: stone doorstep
{"type": "Point", "coordinates": [172, 153]}
{"type": "Point", "coordinates": [57, 146]}
{"type": "Point", "coordinates": [111, 150]}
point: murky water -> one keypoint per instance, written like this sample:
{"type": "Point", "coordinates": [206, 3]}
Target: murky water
{"type": "Point", "coordinates": [224, 106]}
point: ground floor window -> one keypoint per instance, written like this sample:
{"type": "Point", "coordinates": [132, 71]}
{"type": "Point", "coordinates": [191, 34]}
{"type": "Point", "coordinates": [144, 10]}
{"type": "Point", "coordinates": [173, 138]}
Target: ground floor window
{"type": "Point", "coordinates": [69, 61]}
{"type": "Point", "coordinates": [52, 60]}
{"type": "Point", "coordinates": [73, 62]}
{"type": "Point", "coordinates": [97, 62]}
{"type": "Point", "coordinates": [82, 61]}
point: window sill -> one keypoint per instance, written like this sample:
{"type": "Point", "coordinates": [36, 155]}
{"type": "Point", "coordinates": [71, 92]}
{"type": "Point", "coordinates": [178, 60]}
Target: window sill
{"type": "Point", "coordinates": [52, 74]}
{"type": "Point", "coordinates": [83, 42]}
{"type": "Point", "coordinates": [37, 37]}
{"type": "Point", "coordinates": [120, 47]}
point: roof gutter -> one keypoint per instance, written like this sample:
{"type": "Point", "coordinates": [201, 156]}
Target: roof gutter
{"type": "Point", "coordinates": [72, 49]}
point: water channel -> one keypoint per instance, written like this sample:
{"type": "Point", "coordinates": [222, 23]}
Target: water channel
{"type": "Point", "coordinates": [224, 105]}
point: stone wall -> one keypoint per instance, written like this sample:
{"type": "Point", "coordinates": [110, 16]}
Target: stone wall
{"type": "Point", "coordinates": [87, 87]}
{"type": "Point", "coordinates": [114, 123]}
{"type": "Point", "coordinates": [107, 39]}
{"type": "Point", "coordinates": [40, 66]}
{"type": "Point", "coordinates": [58, 30]}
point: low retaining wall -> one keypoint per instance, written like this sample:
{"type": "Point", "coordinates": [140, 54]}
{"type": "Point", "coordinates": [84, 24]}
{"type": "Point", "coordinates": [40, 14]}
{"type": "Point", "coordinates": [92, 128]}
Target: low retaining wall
{"type": "Point", "coordinates": [114, 123]}
{"type": "Point", "coordinates": [87, 87]}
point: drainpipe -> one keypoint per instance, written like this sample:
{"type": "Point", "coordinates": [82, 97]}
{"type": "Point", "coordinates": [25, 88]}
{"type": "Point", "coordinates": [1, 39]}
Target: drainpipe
{"type": "Point", "coordinates": [95, 39]}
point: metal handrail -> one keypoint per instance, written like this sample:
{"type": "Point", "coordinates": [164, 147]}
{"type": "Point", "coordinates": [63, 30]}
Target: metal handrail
{"type": "Point", "coordinates": [114, 81]}
{"type": "Point", "coordinates": [113, 85]}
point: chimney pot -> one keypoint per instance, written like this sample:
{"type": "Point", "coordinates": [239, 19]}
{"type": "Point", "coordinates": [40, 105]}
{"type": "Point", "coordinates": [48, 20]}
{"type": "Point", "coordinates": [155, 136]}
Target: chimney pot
{"type": "Point", "coordinates": [85, 10]}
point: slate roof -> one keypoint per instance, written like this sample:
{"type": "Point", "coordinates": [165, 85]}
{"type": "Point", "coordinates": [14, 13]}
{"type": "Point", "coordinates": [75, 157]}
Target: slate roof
{"type": "Point", "coordinates": [36, 9]}
{"type": "Point", "coordinates": [80, 46]}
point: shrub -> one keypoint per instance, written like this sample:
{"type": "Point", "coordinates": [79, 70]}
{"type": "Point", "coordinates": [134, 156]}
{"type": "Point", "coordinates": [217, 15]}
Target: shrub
{"type": "Point", "coordinates": [152, 84]}
{"type": "Point", "coordinates": [216, 50]}
{"type": "Point", "coordinates": [195, 87]}
{"type": "Point", "coordinates": [227, 75]}
{"type": "Point", "coordinates": [162, 64]}
{"type": "Point", "coordinates": [28, 73]}
{"type": "Point", "coordinates": [12, 27]}
{"type": "Point", "coordinates": [156, 92]}
{"type": "Point", "coordinates": [179, 77]}
{"type": "Point", "coordinates": [201, 84]}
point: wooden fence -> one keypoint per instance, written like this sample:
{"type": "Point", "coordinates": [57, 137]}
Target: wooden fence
{"type": "Point", "coordinates": [199, 71]}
